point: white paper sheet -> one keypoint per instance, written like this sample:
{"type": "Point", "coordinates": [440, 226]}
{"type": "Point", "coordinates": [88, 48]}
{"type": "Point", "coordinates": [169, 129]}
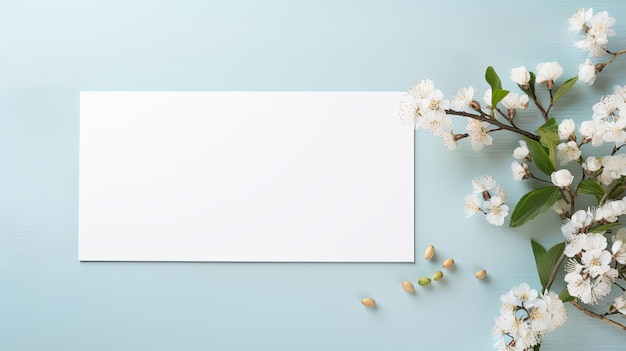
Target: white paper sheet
{"type": "Point", "coordinates": [245, 176]}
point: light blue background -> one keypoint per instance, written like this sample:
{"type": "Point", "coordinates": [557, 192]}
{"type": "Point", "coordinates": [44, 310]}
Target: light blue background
{"type": "Point", "coordinates": [51, 50]}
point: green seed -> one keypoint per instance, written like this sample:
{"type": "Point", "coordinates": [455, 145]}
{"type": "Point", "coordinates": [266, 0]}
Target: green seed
{"type": "Point", "coordinates": [423, 281]}
{"type": "Point", "coordinates": [438, 275]}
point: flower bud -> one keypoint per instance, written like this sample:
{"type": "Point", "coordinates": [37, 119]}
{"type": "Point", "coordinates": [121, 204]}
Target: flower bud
{"type": "Point", "coordinates": [562, 178]}
{"type": "Point", "coordinates": [475, 105]}
{"type": "Point", "coordinates": [521, 76]}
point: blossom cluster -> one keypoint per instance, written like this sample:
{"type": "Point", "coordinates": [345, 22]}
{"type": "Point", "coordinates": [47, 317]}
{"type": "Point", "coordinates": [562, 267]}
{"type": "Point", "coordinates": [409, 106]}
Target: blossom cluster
{"type": "Point", "coordinates": [592, 268]}
{"type": "Point", "coordinates": [608, 123]}
{"type": "Point", "coordinates": [489, 198]}
{"type": "Point", "coordinates": [597, 29]}
{"type": "Point", "coordinates": [424, 107]}
{"type": "Point", "coordinates": [525, 317]}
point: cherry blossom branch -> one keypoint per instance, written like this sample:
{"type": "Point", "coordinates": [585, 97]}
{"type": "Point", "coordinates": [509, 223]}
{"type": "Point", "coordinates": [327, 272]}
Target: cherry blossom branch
{"type": "Point", "coordinates": [598, 316]}
{"type": "Point", "coordinates": [495, 122]}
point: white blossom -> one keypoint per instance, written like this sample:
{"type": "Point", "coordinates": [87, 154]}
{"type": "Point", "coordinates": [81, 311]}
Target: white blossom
{"type": "Point", "coordinates": [496, 210]}
{"type": "Point", "coordinates": [520, 75]}
{"type": "Point", "coordinates": [520, 170]}
{"type": "Point", "coordinates": [478, 136]}
{"type": "Point", "coordinates": [620, 91]}
{"type": "Point", "coordinates": [567, 152]}
{"type": "Point", "coordinates": [410, 113]}
{"type": "Point", "coordinates": [548, 72]}
{"type": "Point", "coordinates": [513, 101]}
{"type": "Point", "coordinates": [566, 129]}
{"type": "Point", "coordinates": [592, 164]}
{"type": "Point", "coordinates": [619, 304]}
{"type": "Point", "coordinates": [487, 98]}
{"type": "Point", "coordinates": [587, 72]}
{"type": "Point", "coordinates": [483, 183]}
{"type": "Point", "coordinates": [613, 167]}
{"type": "Point", "coordinates": [520, 295]}
{"type": "Point", "coordinates": [607, 106]}
{"type": "Point", "coordinates": [596, 262]}
{"type": "Point", "coordinates": [463, 98]}
{"type": "Point", "coordinates": [521, 152]}
{"type": "Point", "coordinates": [593, 130]}
{"type": "Point", "coordinates": [562, 178]}
{"type": "Point", "coordinates": [472, 205]}
{"type": "Point", "coordinates": [420, 90]}
{"type": "Point", "coordinates": [601, 24]}
{"type": "Point", "coordinates": [556, 310]}
{"type": "Point", "coordinates": [619, 251]}
{"type": "Point", "coordinates": [449, 140]}
{"type": "Point", "coordinates": [579, 19]}
{"type": "Point", "coordinates": [433, 107]}
{"type": "Point", "coordinates": [614, 131]}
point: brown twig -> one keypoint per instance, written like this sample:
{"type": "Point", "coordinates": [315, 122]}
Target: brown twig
{"type": "Point", "coordinates": [495, 122]}
{"type": "Point", "coordinates": [598, 316]}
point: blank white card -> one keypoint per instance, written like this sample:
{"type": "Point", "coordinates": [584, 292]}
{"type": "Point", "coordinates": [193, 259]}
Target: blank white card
{"type": "Point", "coordinates": [245, 176]}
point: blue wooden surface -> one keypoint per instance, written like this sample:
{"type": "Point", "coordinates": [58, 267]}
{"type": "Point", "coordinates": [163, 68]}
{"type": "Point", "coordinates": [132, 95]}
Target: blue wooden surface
{"type": "Point", "coordinates": [52, 50]}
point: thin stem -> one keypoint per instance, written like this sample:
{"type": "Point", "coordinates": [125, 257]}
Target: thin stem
{"type": "Point", "coordinates": [616, 149]}
{"type": "Point", "coordinates": [549, 106]}
{"type": "Point", "coordinates": [555, 270]}
{"type": "Point", "coordinates": [598, 316]}
{"type": "Point", "coordinates": [495, 122]}
{"type": "Point", "coordinates": [541, 180]}
{"type": "Point", "coordinates": [615, 55]}
{"type": "Point", "coordinates": [539, 105]}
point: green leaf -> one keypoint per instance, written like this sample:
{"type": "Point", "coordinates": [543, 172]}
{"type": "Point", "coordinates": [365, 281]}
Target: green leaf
{"type": "Point", "coordinates": [541, 159]}
{"type": "Point", "coordinates": [537, 347]}
{"type": "Point", "coordinates": [497, 96]}
{"type": "Point", "coordinates": [531, 83]}
{"type": "Point", "coordinates": [545, 261]}
{"type": "Point", "coordinates": [492, 78]}
{"type": "Point", "coordinates": [532, 204]}
{"type": "Point", "coordinates": [567, 86]}
{"type": "Point", "coordinates": [591, 187]}
{"type": "Point", "coordinates": [604, 227]}
{"type": "Point", "coordinates": [549, 132]}
{"type": "Point", "coordinates": [549, 137]}
{"type": "Point", "coordinates": [565, 296]}
{"type": "Point", "coordinates": [617, 189]}
{"type": "Point", "coordinates": [540, 253]}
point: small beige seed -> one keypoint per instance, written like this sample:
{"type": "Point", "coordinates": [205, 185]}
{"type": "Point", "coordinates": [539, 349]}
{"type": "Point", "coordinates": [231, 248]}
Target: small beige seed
{"type": "Point", "coordinates": [438, 275]}
{"type": "Point", "coordinates": [481, 274]}
{"type": "Point", "coordinates": [368, 301]}
{"type": "Point", "coordinates": [448, 263]}
{"type": "Point", "coordinates": [429, 253]}
{"type": "Point", "coordinates": [408, 287]}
